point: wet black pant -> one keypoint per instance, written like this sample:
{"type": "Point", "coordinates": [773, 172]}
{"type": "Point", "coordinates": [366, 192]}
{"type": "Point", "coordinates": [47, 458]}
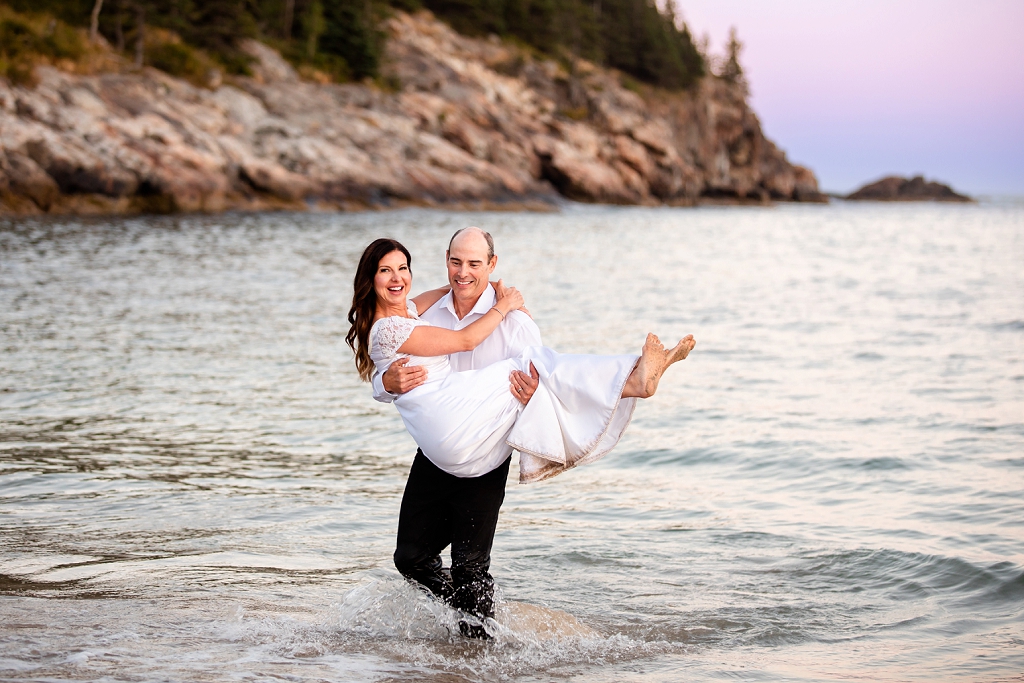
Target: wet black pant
{"type": "Point", "coordinates": [438, 510]}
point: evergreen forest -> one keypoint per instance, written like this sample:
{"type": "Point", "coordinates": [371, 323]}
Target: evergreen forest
{"type": "Point", "coordinates": [344, 39]}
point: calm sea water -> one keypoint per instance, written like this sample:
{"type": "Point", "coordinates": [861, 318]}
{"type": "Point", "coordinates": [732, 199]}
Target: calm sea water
{"type": "Point", "coordinates": [195, 486]}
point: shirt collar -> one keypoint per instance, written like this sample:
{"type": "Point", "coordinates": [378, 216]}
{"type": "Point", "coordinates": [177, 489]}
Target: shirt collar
{"type": "Point", "coordinates": [483, 304]}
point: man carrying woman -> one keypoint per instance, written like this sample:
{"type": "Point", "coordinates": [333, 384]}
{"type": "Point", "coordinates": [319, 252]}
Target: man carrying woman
{"type": "Point", "coordinates": [471, 380]}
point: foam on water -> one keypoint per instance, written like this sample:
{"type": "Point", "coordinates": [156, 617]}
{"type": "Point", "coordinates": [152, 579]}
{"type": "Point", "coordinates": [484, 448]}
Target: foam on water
{"type": "Point", "coordinates": [387, 618]}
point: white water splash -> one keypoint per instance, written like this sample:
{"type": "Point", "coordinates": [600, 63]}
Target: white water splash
{"type": "Point", "coordinates": [399, 628]}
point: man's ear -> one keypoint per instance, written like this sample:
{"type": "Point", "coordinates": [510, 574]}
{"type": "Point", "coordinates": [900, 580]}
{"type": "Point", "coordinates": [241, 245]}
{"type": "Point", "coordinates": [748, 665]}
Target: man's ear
{"type": "Point", "coordinates": [493, 263]}
{"type": "Point", "coordinates": [446, 257]}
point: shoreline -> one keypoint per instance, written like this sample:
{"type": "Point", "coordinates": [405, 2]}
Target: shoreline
{"type": "Point", "coordinates": [100, 206]}
{"type": "Point", "coordinates": [91, 207]}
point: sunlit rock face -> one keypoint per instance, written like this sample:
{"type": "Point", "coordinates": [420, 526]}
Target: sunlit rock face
{"type": "Point", "coordinates": [470, 122]}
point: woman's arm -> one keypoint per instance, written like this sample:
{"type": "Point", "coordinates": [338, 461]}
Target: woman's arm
{"type": "Point", "coordinates": [426, 340]}
{"type": "Point", "coordinates": [429, 298]}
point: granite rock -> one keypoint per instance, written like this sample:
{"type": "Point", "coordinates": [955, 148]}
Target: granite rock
{"type": "Point", "coordinates": [898, 189]}
{"type": "Point", "coordinates": [474, 123]}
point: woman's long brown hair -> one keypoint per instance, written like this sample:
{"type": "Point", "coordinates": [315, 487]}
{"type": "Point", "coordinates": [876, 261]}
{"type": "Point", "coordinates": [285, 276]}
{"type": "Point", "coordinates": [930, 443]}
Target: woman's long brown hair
{"type": "Point", "coordinates": [364, 301]}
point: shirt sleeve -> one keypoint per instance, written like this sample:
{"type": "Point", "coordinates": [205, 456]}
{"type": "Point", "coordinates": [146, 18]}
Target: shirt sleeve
{"type": "Point", "coordinates": [379, 392]}
{"type": "Point", "coordinates": [525, 333]}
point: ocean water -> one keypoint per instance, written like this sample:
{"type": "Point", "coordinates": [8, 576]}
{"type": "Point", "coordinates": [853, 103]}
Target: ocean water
{"type": "Point", "coordinates": [194, 485]}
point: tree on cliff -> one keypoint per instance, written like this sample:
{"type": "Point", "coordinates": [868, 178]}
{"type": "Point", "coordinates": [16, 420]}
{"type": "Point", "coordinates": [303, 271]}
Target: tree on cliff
{"type": "Point", "coordinates": [343, 37]}
{"type": "Point", "coordinates": [730, 69]}
{"type": "Point", "coordinates": [352, 34]}
{"type": "Point", "coordinates": [212, 25]}
{"type": "Point", "coordinates": [631, 35]}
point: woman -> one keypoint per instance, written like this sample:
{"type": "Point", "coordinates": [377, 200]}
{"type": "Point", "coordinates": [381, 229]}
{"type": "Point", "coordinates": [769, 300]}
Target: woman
{"type": "Point", "coordinates": [577, 415]}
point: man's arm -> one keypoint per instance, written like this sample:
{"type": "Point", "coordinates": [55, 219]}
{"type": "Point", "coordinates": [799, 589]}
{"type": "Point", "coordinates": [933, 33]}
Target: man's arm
{"type": "Point", "coordinates": [523, 386]}
{"type": "Point", "coordinates": [527, 333]}
{"type": "Point", "coordinates": [397, 380]}
{"type": "Point", "coordinates": [379, 392]}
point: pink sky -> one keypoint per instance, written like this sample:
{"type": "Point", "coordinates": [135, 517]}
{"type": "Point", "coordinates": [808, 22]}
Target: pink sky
{"type": "Point", "coordinates": [858, 90]}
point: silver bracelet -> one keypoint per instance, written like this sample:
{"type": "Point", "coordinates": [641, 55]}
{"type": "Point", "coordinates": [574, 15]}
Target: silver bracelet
{"type": "Point", "coordinates": [495, 308]}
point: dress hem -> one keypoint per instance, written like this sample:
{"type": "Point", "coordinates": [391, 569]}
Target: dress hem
{"type": "Point", "coordinates": [548, 473]}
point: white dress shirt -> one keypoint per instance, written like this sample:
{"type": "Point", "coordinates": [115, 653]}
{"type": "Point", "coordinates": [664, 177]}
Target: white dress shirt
{"type": "Point", "coordinates": [513, 335]}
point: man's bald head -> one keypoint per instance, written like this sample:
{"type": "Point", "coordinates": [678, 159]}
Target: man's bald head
{"type": "Point", "coordinates": [473, 233]}
{"type": "Point", "coordinates": [471, 260]}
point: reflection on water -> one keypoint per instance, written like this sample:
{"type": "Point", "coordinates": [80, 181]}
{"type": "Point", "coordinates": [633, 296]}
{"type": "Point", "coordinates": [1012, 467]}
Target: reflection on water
{"type": "Point", "coordinates": [194, 485]}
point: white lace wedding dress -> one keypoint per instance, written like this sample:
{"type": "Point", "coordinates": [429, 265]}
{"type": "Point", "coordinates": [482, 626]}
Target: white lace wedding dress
{"type": "Point", "coordinates": [575, 417]}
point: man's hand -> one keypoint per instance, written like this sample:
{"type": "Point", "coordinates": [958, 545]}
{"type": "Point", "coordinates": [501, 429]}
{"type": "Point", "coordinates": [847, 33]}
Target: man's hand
{"type": "Point", "coordinates": [400, 379]}
{"type": "Point", "coordinates": [524, 385]}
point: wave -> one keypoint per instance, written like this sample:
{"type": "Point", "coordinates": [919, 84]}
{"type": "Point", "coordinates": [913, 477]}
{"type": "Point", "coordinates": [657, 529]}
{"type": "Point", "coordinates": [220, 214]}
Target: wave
{"type": "Point", "coordinates": [903, 575]}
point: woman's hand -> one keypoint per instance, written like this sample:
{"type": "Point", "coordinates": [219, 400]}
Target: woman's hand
{"type": "Point", "coordinates": [509, 299]}
{"type": "Point", "coordinates": [500, 289]}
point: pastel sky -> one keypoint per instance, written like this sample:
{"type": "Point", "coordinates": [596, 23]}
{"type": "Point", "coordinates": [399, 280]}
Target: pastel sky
{"type": "Point", "coordinates": [861, 89]}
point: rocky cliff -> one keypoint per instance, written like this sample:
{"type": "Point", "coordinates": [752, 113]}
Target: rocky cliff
{"type": "Point", "coordinates": [474, 123]}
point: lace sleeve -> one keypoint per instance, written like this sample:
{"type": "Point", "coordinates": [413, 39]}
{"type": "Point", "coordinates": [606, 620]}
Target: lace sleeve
{"type": "Point", "coordinates": [391, 333]}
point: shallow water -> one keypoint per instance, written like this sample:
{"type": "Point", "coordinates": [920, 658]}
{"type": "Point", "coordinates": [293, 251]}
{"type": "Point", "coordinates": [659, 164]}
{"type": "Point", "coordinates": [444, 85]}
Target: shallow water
{"type": "Point", "coordinates": [195, 486]}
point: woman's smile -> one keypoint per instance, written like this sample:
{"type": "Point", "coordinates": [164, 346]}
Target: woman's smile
{"type": "Point", "coordinates": [393, 279]}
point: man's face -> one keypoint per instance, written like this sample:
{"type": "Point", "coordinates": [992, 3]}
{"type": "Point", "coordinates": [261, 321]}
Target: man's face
{"type": "Point", "coordinates": [469, 269]}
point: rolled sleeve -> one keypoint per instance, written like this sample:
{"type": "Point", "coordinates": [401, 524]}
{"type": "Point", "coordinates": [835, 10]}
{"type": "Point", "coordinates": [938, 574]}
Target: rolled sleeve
{"type": "Point", "coordinates": [379, 394]}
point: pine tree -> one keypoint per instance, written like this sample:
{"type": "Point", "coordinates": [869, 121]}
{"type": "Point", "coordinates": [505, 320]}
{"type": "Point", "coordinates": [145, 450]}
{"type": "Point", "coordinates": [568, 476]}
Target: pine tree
{"type": "Point", "coordinates": [344, 37]}
{"type": "Point", "coordinates": [351, 32]}
{"type": "Point", "coordinates": [731, 69]}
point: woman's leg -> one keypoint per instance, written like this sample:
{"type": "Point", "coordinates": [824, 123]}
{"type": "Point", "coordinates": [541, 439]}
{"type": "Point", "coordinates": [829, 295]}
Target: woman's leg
{"type": "Point", "coordinates": [643, 381]}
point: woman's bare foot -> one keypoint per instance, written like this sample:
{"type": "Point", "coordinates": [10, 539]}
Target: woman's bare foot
{"type": "Point", "coordinates": [682, 349]}
{"type": "Point", "coordinates": [654, 360]}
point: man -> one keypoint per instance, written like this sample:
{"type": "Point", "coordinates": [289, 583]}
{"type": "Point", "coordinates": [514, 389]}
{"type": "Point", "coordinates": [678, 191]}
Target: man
{"type": "Point", "coordinates": [438, 508]}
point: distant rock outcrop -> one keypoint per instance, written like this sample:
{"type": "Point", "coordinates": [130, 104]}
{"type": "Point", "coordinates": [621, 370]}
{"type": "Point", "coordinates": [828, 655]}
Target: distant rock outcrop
{"type": "Point", "coordinates": [475, 123]}
{"type": "Point", "coordinates": [916, 189]}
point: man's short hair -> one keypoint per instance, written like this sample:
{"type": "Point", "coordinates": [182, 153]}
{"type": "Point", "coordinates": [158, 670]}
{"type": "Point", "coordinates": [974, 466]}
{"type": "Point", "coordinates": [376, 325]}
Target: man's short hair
{"type": "Point", "coordinates": [487, 236]}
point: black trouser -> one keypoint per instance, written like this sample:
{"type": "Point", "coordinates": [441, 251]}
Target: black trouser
{"type": "Point", "coordinates": [439, 509]}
